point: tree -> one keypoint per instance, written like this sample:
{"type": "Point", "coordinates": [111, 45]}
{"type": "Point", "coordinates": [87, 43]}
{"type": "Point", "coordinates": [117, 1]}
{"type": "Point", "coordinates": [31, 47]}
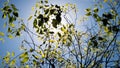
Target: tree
{"type": "Point", "coordinates": [55, 44]}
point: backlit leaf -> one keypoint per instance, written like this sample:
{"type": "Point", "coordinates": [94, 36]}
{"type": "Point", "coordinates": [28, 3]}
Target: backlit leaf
{"type": "Point", "coordinates": [4, 25]}
{"type": "Point", "coordinates": [46, 1]}
{"type": "Point", "coordinates": [4, 16]}
{"type": "Point", "coordinates": [1, 39]}
{"type": "Point", "coordinates": [96, 10]}
{"type": "Point", "coordinates": [88, 10]}
{"type": "Point", "coordinates": [24, 60]}
{"type": "Point", "coordinates": [88, 14]}
{"type": "Point", "coordinates": [33, 8]}
{"type": "Point", "coordinates": [31, 50]}
{"type": "Point", "coordinates": [9, 30]}
{"type": "Point", "coordinates": [8, 54]}
{"type": "Point", "coordinates": [7, 59]}
{"type": "Point", "coordinates": [105, 0]}
{"type": "Point", "coordinates": [30, 18]}
{"type": "Point", "coordinates": [27, 66]}
{"type": "Point", "coordinates": [12, 62]}
{"type": "Point", "coordinates": [12, 24]}
{"type": "Point", "coordinates": [13, 54]}
{"type": "Point", "coordinates": [1, 34]}
{"type": "Point", "coordinates": [24, 55]}
{"type": "Point", "coordinates": [35, 23]}
{"type": "Point", "coordinates": [106, 29]}
{"type": "Point", "coordinates": [10, 36]}
{"type": "Point", "coordinates": [36, 57]}
{"type": "Point", "coordinates": [13, 7]}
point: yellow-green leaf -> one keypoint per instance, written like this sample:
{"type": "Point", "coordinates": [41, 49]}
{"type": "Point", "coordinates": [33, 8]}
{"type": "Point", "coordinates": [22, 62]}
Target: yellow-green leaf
{"type": "Point", "coordinates": [24, 60]}
{"type": "Point", "coordinates": [88, 10]}
{"type": "Point", "coordinates": [10, 36]}
{"type": "Point", "coordinates": [37, 5]}
{"type": "Point", "coordinates": [7, 59]}
{"type": "Point", "coordinates": [24, 55]}
{"type": "Point", "coordinates": [4, 16]}
{"type": "Point", "coordinates": [1, 34]}
{"type": "Point", "coordinates": [105, 0]}
{"type": "Point", "coordinates": [106, 29]}
{"type": "Point", "coordinates": [8, 54]}
{"type": "Point", "coordinates": [4, 25]}
{"type": "Point", "coordinates": [22, 26]}
{"type": "Point", "coordinates": [12, 24]}
{"type": "Point", "coordinates": [12, 62]}
{"type": "Point", "coordinates": [13, 54]}
{"type": "Point", "coordinates": [96, 10]}
{"type": "Point", "coordinates": [30, 18]}
{"type": "Point", "coordinates": [1, 39]}
{"type": "Point", "coordinates": [27, 66]}
{"type": "Point", "coordinates": [36, 57]}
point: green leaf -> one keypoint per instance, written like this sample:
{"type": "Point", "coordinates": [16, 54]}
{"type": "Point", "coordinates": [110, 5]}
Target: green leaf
{"type": "Point", "coordinates": [18, 33]}
{"type": "Point", "coordinates": [46, 1]}
{"type": "Point", "coordinates": [24, 60]}
{"type": "Point", "coordinates": [7, 59]}
{"type": "Point", "coordinates": [12, 25]}
{"type": "Point", "coordinates": [58, 18]}
{"type": "Point", "coordinates": [12, 62]}
{"type": "Point", "coordinates": [36, 57]}
{"type": "Point", "coordinates": [46, 19]}
{"type": "Point", "coordinates": [31, 50]}
{"type": "Point", "coordinates": [2, 39]}
{"type": "Point", "coordinates": [10, 36]}
{"type": "Point", "coordinates": [13, 54]}
{"type": "Point", "coordinates": [8, 54]}
{"type": "Point", "coordinates": [52, 11]}
{"type": "Point", "coordinates": [9, 11]}
{"type": "Point", "coordinates": [88, 10]}
{"type": "Point", "coordinates": [6, 8]}
{"type": "Point", "coordinates": [40, 16]}
{"type": "Point", "coordinates": [100, 38]}
{"type": "Point", "coordinates": [59, 34]}
{"type": "Point", "coordinates": [15, 14]}
{"type": "Point", "coordinates": [34, 62]}
{"type": "Point", "coordinates": [54, 23]}
{"type": "Point", "coordinates": [11, 19]}
{"type": "Point", "coordinates": [4, 15]}
{"type": "Point", "coordinates": [41, 1]}
{"type": "Point", "coordinates": [35, 23]}
{"type": "Point", "coordinates": [51, 32]}
{"type": "Point", "coordinates": [1, 34]}
{"type": "Point", "coordinates": [46, 11]}
{"type": "Point", "coordinates": [88, 14]}
{"type": "Point", "coordinates": [30, 18]}
{"type": "Point", "coordinates": [4, 25]}
{"type": "Point", "coordinates": [27, 66]}
{"type": "Point", "coordinates": [13, 7]}
{"type": "Point", "coordinates": [9, 30]}
{"type": "Point", "coordinates": [40, 23]}
{"type": "Point", "coordinates": [96, 10]}
{"type": "Point", "coordinates": [22, 26]}
{"type": "Point", "coordinates": [105, 0]}
{"type": "Point", "coordinates": [25, 54]}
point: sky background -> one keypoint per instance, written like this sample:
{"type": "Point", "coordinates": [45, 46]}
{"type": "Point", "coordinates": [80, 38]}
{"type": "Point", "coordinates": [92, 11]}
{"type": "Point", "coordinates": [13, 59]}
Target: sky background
{"type": "Point", "coordinates": [24, 7]}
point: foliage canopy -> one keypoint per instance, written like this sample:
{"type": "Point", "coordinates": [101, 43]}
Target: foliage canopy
{"type": "Point", "coordinates": [60, 43]}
